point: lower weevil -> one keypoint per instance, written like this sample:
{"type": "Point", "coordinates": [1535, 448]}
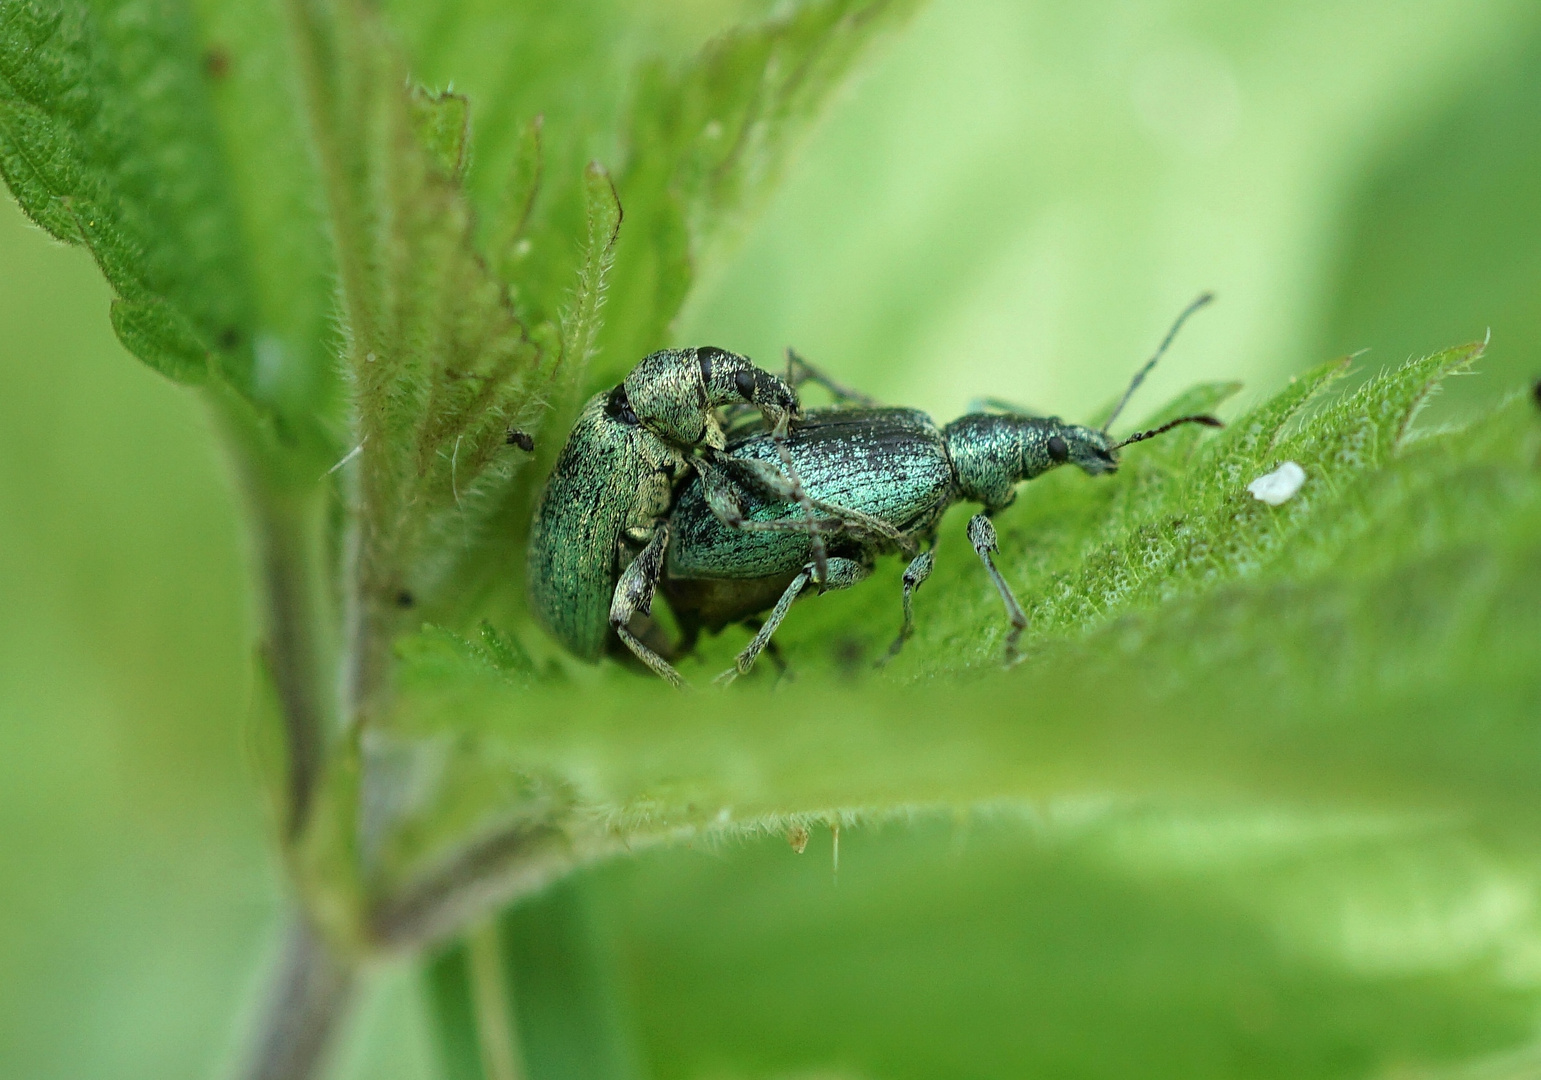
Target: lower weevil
{"type": "Point", "coordinates": [895, 474]}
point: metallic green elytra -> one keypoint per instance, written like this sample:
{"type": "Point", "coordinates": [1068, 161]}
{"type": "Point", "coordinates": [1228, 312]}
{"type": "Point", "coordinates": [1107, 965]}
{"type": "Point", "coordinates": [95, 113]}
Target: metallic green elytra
{"type": "Point", "coordinates": [892, 475]}
{"type": "Point", "coordinates": [611, 484]}
{"type": "Point", "coordinates": [890, 464]}
{"type": "Point", "coordinates": [605, 504]}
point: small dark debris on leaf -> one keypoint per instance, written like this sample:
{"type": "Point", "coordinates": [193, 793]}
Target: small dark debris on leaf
{"type": "Point", "coordinates": [405, 599]}
{"type": "Point", "coordinates": [522, 439]}
{"type": "Point", "coordinates": [216, 62]}
{"type": "Point", "coordinates": [1535, 393]}
{"type": "Point", "coordinates": [848, 656]}
{"type": "Point", "coordinates": [229, 337]}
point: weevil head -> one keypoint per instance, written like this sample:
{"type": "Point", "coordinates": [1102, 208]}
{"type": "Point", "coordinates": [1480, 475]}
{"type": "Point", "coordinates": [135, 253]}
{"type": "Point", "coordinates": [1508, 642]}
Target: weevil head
{"type": "Point", "coordinates": [993, 452]}
{"type": "Point", "coordinates": [731, 379]}
{"type": "Point", "coordinates": [1094, 449]}
{"type": "Point", "coordinates": [674, 393]}
{"type": "Point", "coordinates": [1090, 449]}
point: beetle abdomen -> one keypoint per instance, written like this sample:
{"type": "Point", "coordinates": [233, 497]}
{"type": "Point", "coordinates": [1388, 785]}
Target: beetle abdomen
{"type": "Point", "coordinates": [890, 464]}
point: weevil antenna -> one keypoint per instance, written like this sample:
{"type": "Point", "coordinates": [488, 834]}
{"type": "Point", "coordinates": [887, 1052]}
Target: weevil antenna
{"type": "Point", "coordinates": [1141, 436]}
{"type": "Point", "coordinates": [1166, 342]}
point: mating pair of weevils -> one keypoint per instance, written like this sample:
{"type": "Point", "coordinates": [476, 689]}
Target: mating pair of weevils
{"type": "Point", "coordinates": [670, 481]}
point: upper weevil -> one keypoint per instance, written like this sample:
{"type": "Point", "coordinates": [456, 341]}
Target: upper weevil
{"type": "Point", "coordinates": [895, 474]}
{"type": "Point", "coordinates": [615, 479]}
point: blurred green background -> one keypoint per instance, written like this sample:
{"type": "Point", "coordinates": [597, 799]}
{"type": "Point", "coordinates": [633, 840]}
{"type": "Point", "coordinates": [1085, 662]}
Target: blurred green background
{"type": "Point", "coordinates": [1012, 199]}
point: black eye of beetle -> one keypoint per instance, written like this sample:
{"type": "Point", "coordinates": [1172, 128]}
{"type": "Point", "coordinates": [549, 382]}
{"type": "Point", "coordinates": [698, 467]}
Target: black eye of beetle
{"type": "Point", "coordinates": [618, 406]}
{"type": "Point", "coordinates": [743, 381]}
{"type": "Point", "coordinates": [1059, 450]}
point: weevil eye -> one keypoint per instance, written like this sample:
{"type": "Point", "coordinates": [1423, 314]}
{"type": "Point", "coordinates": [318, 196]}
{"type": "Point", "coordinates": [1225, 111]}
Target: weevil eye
{"type": "Point", "coordinates": [618, 406]}
{"type": "Point", "coordinates": [743, 382]}
{"type": "Point", "coordinates": [1059, 450]}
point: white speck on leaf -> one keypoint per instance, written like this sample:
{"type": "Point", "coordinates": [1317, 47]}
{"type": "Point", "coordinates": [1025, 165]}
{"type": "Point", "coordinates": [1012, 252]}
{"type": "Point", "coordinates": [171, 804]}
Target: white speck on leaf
{"type": "Point", "coordinates": [1279, 486]}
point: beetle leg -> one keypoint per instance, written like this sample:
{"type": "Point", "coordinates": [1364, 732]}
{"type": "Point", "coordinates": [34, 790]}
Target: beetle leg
{"type": "Point", "coordinates": [843, 573]}
{"type": "Point", "coordinates": [634, 593]}
{"type": "Point", "coordinates": [773, 652]}
{"type": "Point", "coordinates": [769, 478]}
{"type": "Point", "coordinates": [795, 493]}
{"type": "Point", "coordinates": [721, 495]}
{"type": "Point", "coordinates": [722, 499]}
{"type": "Point", "coordinates": [981, 533]}
{"type": "Point", "coordinates": [915, 575]}
{"type": "Point", "coordinates": [800, 371]}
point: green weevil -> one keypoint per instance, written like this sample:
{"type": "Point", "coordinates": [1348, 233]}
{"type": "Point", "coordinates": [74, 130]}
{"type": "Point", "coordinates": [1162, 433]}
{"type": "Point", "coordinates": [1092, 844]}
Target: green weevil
{"type": "Point", "coordinates": [605, 505]}
{"type": "Point", "coordinates": [895, 473]}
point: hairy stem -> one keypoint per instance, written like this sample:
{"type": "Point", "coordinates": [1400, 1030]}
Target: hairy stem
{"type": "Point", "coordinates": [337, 72]}
{"type": "Point", "coordinates": [482, 877]}
{"type": "Point", "coordinates": [308, 1001]}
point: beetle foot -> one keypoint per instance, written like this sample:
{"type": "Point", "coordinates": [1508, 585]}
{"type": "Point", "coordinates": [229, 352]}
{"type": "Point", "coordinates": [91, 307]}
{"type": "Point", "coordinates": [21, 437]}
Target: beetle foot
{"type": "Point", "coordinates": [1014, 654]}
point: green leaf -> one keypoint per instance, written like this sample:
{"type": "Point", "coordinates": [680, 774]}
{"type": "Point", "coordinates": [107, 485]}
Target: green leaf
{"type": "Point", "coordinates": [509, 243]}
{"type": "Point", "coordinates": [1364, 630]}
{"type": "Point", "coordinates": [164, 139]}
{"type": "Point", "coordinates": [496, 561]}
{"type": "Point", "coordinates": [441, 366]}
{"type": "Point", "coordinates": [581, 323]}
{"type": "Point", "coordinates": [559, 998]}
{"type": "Point", "coordinates": [154, 332]}
{"type": "Point", "coordinates": [709, 141]}
{"type": "Point", "coordinates": [443, 123]}
{"type": "Point", "coordinates": [107, 139]}
{"type": "Point", "coordinates": [1010, 942]}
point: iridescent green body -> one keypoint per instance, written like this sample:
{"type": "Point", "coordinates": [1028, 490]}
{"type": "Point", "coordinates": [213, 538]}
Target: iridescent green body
{"type": "Point", "coordinates": [650, 491]}
{"type": "Point", "coordinates": [675, 393]}
{"type": "Point", "coordinates": [612, 482]}
{"type": "Point", "coordinates": [891, 464]}
{"type": "Point", "coordinates": [605, 505]}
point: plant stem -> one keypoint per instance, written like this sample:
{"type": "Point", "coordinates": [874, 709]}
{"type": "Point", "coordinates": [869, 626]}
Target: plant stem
{"type": "Point", "coordinates": [285, 512]}
{"type": "Point", "coordinates": [483, 877]}
{"type": "Point", "coordinates": [285, 536]}
{"type": "Point", "coordinates": [496, 1032]}
{"type": "Point", "coordinates": [342, 71]}
{"type": "Point", "coordinates": [310, 997]}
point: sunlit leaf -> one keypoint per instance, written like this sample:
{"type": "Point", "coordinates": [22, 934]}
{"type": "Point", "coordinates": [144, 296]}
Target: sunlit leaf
{"type": "Point", "coordinates": [1322, 649]}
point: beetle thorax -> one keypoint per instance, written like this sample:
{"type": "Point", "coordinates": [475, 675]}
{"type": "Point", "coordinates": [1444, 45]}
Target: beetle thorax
{"type": "Point", "coordinates": [986, 451]}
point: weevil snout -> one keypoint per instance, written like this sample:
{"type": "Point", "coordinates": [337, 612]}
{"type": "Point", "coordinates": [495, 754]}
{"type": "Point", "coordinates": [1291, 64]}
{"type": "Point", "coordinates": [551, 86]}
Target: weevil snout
{"type": "Point", "coordinates": [749, 384]}
{"type": "Point", "coordinates": [772, 393]}
{"type": "Point", "coordinates": [1088, 448]}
